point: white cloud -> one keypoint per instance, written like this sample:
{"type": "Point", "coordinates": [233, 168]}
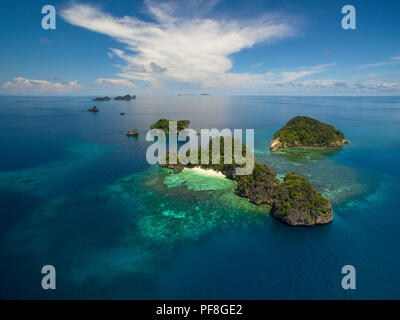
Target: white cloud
{"type": "Point", "coordinates": [288, 76]}
{"type": "Point", "coordinates": [257, 65]}
{"type": "Point", "coordinates": [190, 50]}
{"type": "Point", "coordinates": [195, 50]}
{"type": "Point", "coordinates": [262, 80]}
{"type": "Point", "coordinates": [21, 85]}
{"type": "Point", "coordinates": [117, 82]}
{"type": "Point", "coordinates": [362, 86]}
{"type": "Point", "coordinates": [379, 64]}
{"type": "Point", "coordinates": [372, 65]}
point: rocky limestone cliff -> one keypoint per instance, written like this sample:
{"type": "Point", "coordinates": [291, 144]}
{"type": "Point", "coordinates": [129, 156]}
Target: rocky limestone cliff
{"type": "Point", "coordinates": [298, 204]}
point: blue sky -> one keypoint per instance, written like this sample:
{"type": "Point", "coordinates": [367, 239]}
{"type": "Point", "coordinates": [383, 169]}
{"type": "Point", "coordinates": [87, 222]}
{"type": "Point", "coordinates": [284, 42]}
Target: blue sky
{"type": "Point", "coordinates": [218, 47]}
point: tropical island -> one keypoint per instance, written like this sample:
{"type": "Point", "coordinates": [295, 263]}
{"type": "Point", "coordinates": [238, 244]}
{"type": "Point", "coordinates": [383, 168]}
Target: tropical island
{"type": "Point", "coordinates": [102, 99]}
{"type": "Point", "coordinates": [303, 131]}
{"type": "Point", "coordinates": [126, 97]}
{"type": "Point", "coordinates": [93, 109]}
{"type": "Point", "coordinates": [163, 124]}
{"type": "Point", "coordinates": [293, 201]}
{"type": "Point", "coordinates": [134, 132]}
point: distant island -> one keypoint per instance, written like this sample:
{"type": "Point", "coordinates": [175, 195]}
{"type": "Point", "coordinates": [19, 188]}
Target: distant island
{"type": "Point", "coordinates": [194, 94]}
{"type": "Point", "coordinates": [303, 131]}
{"type": "Point", "coordinates": [126, 97]}
{"type": "Point", "coordinates": [293, 201]}
{"type": "Point", "coordinates": [134, 132]}
{"type": "Point", "coordinates": [163, 124]}
{"type": "Point", "coordinates": [94, 109]}
{"type": "Point", "coordinates": [102, 99]}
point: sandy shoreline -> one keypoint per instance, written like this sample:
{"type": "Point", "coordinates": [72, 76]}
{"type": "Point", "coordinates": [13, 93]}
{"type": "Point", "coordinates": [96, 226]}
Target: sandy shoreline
{"type": "Point", "coordinates": [208, 172]}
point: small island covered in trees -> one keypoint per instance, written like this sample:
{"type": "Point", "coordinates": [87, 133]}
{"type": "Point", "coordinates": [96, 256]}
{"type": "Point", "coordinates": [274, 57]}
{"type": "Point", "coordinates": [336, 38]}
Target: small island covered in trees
{"type": "Point", "coordinates": [125, 98]}
{"type": "Point", "coordinates": [293, 201]}
{"type": "Point", "coordinates": [303, 131]}
{"type": "Point", "coordinates": [163, 124]}
{"type": "Point", "coordinates": [102, 99]}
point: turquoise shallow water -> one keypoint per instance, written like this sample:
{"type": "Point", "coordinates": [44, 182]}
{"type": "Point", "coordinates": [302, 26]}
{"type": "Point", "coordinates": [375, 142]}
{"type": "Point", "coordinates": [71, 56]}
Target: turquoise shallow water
{"type": "Point", "coordinates": [78, 194]}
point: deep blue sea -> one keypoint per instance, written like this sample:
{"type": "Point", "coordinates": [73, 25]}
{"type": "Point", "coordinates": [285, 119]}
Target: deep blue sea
{"type": "Point", "coordinates": [78, 194]}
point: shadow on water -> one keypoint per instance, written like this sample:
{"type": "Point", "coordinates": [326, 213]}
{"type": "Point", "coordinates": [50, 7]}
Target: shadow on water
{"type": "Point", "coordinates": [303, 155]}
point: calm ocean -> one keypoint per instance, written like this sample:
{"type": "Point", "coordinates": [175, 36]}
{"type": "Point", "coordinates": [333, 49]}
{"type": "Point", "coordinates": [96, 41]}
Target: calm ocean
{"type": "Point", "coordinates": [78, 194]}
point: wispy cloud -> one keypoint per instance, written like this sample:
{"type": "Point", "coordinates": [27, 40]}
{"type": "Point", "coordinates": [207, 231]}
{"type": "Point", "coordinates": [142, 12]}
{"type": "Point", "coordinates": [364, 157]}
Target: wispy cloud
{"type": "Point", "coordinates": [172, 46]}
{"type": "Point", "coordinates": [190, 50]}
{"type": "Point", "coordinates": [21, 85]}
{"type": "Point", "coordinates": [372, 65]}
{"type": "Point", "coordinates": [362, 86]}
{"type": "Point", "coordinates": [117, 82]}
{"type": "Point", "coordinates": [379, 64]}
{"type": "Point", "coordinates": [257, 65]}
{"type": "Point", "coordinates": [262, 80]}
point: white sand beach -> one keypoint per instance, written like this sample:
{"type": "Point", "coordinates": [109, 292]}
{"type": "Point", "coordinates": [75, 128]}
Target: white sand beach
{"type": "Point", "coordinates": [208, 172]}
